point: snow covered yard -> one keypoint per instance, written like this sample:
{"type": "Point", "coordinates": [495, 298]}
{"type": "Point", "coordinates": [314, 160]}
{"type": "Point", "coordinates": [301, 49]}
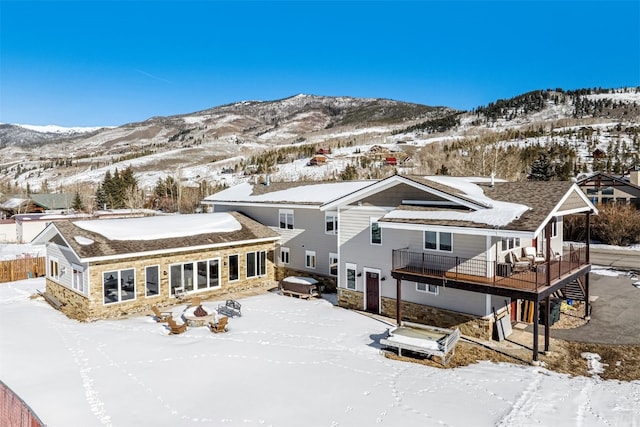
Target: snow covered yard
{"type": "Point", "coordinates": [285, 362]}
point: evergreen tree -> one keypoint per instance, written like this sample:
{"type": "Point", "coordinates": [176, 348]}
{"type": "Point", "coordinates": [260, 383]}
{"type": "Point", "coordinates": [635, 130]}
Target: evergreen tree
{"type": "Point", "coordinates": [77, 202]}
{"type": "Point", "coordinates": [542, 169]}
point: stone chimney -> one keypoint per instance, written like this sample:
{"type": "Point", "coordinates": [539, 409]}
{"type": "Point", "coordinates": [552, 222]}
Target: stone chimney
{"type": "Point", "coordinates": [634, 177]}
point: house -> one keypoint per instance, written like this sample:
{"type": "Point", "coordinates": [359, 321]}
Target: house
{"type": "Point", "coordinates": [308, 234]}
{"type": "Point", "coordinates": [108, 268]}
{"type": "Point", "coordinates": [37, 203]}
{"type": "Point", "coordinates": [603, 188]}
{"type": "Point", "coordinates": [599, 154]}
{"type": "Point", "coordinates": [317, 160]}
{"type": "Point", "coordinates": [391, 161]}
{"type": "Point", "coordinates": [438, 250]}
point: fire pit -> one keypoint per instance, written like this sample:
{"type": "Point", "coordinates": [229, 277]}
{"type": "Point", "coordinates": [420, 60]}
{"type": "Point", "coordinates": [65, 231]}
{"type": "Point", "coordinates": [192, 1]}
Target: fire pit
{"type": "Point", "coordinates": [199, 316]}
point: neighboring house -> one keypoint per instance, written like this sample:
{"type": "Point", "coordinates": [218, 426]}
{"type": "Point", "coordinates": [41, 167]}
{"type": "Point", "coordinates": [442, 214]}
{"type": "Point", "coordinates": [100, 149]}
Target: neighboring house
{"type": "Point", "coordinates": [448, 241]}
{"type": "Point", "coordinates": [603, 188]}
{"type": "Point", "coordinates": [37, 203]}
{"type": "Point", "coordinates": [309, 235]}
{"type": "Point", "coordinates": [108, 268]}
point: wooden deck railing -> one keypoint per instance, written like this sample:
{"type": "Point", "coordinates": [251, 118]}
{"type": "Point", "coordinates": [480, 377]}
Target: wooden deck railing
{"type": "Point", "coordinates": [484, 272]}
{"type": "Point", "coordinates": [22, 268]}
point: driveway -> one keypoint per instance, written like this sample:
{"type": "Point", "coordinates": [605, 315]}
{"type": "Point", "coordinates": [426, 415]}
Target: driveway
{"type": "Point", "coordinates": [615, 314]}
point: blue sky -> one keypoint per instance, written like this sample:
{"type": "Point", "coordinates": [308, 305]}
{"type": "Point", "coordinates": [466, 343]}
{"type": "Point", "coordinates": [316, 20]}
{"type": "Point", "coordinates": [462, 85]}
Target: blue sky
{"type": "Point", "coordinates": [94, 63]}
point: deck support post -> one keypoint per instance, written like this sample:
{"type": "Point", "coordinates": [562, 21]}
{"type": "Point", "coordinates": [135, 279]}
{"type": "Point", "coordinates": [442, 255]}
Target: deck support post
{"type": "Point", "coordinates": [536, 314]}
{"type": "Point", "coordinates": [547, 312]}
{"type": "Point", "coordinates": [587, 312]}
{"type": "Point", "coordinates": [547, 238]}
{"type": "Point", "coordinates": [398, 302]}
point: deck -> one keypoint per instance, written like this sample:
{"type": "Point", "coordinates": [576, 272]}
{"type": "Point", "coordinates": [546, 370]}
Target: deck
{"type": "Point", "coordinates": [490, 276]}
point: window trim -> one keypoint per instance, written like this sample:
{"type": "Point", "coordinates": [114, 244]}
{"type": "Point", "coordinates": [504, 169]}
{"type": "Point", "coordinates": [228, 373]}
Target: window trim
{"type": "Point", "coordinates": [307, 255]}
{"type": "Point", "coordinates": [350, 266]}
{"type": "Point", "coordinates": [119, 285]}
{"type": "Point", "coordinates": [333, 256]}
{"type": "Point", "coordinates": [50, 264]}
{"type": "Point", "coordinates": [428, 289]}
{"type": "Point", "coordinates": [260, 264]}
{"type": "Point", "coordinates": [438, 247]}
{"type": "Point", "coordinates": [194, 276]}
{"type": "Point", "coordinates": [285, 250]}
{"type": "Point", "coordinates": [333, 222]}
{"type": "Point", "coordinates": [237, 256]}
{"type": "Point", "coordinates": [372, 221]}
{"type": "Point", "coordinates": [146, 281]}
{"type": "Point", "coordinates": [286, 213]}
{"type": "Point", "coordinates": [511, 244]}
{"type": "Point", "coordinates": [77, 271]}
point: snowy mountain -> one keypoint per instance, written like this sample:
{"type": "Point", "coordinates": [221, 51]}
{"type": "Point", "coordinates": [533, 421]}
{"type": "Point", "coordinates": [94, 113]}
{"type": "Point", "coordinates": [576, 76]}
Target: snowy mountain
{"type": "Point", "coordinates": [205, 146]}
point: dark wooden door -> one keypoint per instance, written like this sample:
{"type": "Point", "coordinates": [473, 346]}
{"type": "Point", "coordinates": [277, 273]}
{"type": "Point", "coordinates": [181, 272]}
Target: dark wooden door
{"type": "Point", "coordinates": [373, 292]}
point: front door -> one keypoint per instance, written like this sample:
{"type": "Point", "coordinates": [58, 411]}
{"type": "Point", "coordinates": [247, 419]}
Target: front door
{"type": "Point", "coordinates": [373, 292]}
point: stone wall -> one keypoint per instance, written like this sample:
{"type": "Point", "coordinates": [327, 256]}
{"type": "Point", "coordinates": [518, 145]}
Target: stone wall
{"type": "Point", "coordinates": [91, 307]}
{"type": "Point", "coordinates": [473, 326]}
{"type": "Point", "coordinates": [329, 282]}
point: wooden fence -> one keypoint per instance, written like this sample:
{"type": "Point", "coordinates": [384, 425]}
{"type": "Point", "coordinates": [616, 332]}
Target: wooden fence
{"type": "Point", "coordinates": [22, 268]}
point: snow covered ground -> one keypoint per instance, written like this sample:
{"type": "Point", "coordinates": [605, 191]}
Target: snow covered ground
{"type": "Point", "coordinates": [285, 362]}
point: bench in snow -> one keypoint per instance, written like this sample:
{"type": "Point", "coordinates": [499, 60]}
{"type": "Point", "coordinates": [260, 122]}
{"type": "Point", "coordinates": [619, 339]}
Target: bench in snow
{"type": "Point", "coordinates": [230, 308]}
{"type": "Point", "coordinates": [53, 301]}
{"type": "Point", "coordinates": [423, 339]}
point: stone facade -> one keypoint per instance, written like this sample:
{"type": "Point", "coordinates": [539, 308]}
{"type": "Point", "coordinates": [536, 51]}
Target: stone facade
{"type": "Point", "coordinates": [92, 307]}
{"type": "Point", "coordinates": [473, 326]}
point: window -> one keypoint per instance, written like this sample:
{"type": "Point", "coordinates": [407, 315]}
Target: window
{"type": "Point", "coordinates": [284, 255]}
{"type": "Point", "coordinates": [351, 275]}
{"type": "Point", "coordinates": [54, 269]}
{"type": "Point", "coordinates": [77, 278]}
{"type": "Point", "coordinates": [554, 227]}
{"type": "Point", "coordinates": [438, 241]}
{"type": "Point", "coordinates": [509, 244]}
{"type": "Point", "coordinates": [607, 191]}
{"type": "Point", "coordinates": [119, 285]}
{"type": "Point", "coordinates": [331, 223]}
{"type": "Point", "coordinates": [256, 263]}
{"type": "Point", "coordinates": [376, 231]}
{"type": "Point", "coordinates": [428, 288]}
{"type": "Point", "coordinates": [310, 259]}
{"type": "Point", "coordinates": [195, 275]}
{"type": "Point", "coordinates": [286, 219]}
{"type": "Point", "coordinates": [333, 264]}
{"type": "Point", "coordinates": [234, 268]}
{"type": "Point", "coordinates": [152, 281]}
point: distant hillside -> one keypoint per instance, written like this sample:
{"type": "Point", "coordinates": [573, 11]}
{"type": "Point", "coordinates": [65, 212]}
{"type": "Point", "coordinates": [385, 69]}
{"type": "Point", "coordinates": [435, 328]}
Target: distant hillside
{"type": "Point", "coordinates": [231, 143]}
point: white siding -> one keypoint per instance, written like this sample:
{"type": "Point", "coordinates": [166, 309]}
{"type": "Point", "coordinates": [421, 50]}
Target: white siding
{"type": "Point", "coordinates": [307, 235]}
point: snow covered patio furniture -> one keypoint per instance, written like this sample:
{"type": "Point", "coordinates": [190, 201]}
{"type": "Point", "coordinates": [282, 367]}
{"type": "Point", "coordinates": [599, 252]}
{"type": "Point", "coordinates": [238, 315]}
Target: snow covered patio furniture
{"type": "Point", "coordinates": [161, 316]}
{"type": "Point", "coordinates": [423, 339]}
{"type": "Point", "coordinates": [174, 328]}
{"type": "Point", "coordinates": [220, 325]}
{"type": "Point", "coordinates": [301, 287]}
{"type": "Point", "coordinates": [230, 308]}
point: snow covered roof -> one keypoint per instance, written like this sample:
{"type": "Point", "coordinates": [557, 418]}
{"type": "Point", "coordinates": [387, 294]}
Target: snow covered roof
{"type": "Point", "coordinates": [516, 206]}
{"type": "Point", "coordinates": [162, 227]}
{"type": "Point", "coordinates": [304, 193]}
{"type": "Point", "coordinates": [121, 237]}
{"type": "Point", "coordinates": [494, 213]}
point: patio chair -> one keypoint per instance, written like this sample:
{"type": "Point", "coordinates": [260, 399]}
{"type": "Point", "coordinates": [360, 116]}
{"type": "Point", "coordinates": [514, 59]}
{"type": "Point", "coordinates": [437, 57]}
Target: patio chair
{"type": "Point", "coordinates": [174, 328]}
{"type": "Point", "coordinates": [518, 265]}
{"type": "Point", "coordinates": [529, 252]}
{"type": "Point", "coordinates": [220, 326]}
{"type": "Point", "coordinates": [161, 316]}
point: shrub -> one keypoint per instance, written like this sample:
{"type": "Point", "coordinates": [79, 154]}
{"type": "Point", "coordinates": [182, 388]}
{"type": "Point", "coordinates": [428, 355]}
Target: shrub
{"type": "Point", "coordinates": [614, 225]}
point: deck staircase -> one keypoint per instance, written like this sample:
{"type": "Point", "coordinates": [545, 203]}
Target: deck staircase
{"type": "Point", "coordinates": [574, 290]}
